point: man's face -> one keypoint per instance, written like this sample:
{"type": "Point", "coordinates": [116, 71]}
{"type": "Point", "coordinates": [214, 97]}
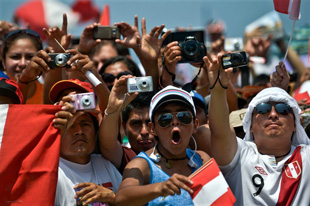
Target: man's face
{"type": "Point", "coordinates": [78, 141]}
{"type": "Point", "coordinates": [105, 53]}
{"type": "Point", "coordinates": [137, 130]}
{"type": "Point", "coordinates": [176, 135]}
{"type": "Point", "coordinates": [272, 125]}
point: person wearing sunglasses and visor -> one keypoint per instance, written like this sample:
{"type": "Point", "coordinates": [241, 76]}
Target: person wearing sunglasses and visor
{"type": "Point", "coordinates": [163, 170]}
{"type": "Point", "coordinates": [270, 165]}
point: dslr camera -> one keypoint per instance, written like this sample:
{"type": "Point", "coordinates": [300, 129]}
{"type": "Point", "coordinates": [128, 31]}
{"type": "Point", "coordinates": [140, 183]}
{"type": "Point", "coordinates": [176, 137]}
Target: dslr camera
{"type": "Point", "coordinates": [237, 59]}
{"type": "Point", "coordinates": [59, 60]}
{"type": "Point", "coordinates": [140, 84]}
{"type": "Point", "coordinates": [192, 50]}
{"type": "Point", "coordinates": [107, 32]}
{"type": "Point", "coordinates": [84, 101]}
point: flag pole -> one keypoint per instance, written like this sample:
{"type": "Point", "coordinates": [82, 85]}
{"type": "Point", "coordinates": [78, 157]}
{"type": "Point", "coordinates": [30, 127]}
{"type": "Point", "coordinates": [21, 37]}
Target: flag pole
{"type": "Point", "coordinates": [289, 43]}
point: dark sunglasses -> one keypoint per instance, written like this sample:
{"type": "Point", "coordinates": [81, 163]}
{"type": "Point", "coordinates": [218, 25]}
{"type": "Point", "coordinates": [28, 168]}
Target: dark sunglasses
{"type": "Point", "coordinates": [266, 107]}
{"type": "Point", "coordinates": [22, 31]}
{"type": "Point", "coordinates": [109, 78]}
{"type": "Point", "coordinates": [184, 117]}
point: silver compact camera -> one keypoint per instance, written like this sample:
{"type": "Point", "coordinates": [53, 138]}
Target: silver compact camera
{"type": "Point", "coordinates": [140, 84]}
{"type": "Point", "coordinates": [59, 60]}
{"type": "Point", "coordinates": [84, 101]}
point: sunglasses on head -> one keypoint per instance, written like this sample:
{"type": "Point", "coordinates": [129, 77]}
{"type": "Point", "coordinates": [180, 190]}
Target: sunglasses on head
{"type": "Point", "coordinates": [107, 77]}
{"type": "Point", "coordinates": [184, 117]}
{"type": "Point", "coordinates": [266, 107]}
{"type": "Point", "coordinates": [23, 31]}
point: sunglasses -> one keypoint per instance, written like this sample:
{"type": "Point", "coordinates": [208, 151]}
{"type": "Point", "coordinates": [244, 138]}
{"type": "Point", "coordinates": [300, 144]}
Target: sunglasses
{"type": "Point", "coordinates": [184, 117]}
{"type": "Point", "coordinates": [22, 31]}
{"type": "Point", "coordinates": [109, 78]}
{"type": "Point", "coordinates": [281, 108]}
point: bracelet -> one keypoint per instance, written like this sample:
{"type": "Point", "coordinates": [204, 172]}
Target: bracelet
{"type": "Point", "coordinates": [119, 109]}
{"type": "Point", "coordinates": [107, 114]}
{"type": "Point", "coordinates": [31, 80]}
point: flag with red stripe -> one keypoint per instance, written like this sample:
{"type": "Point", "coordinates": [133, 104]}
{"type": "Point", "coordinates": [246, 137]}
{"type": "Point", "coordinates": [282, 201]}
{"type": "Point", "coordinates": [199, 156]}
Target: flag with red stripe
{"type": "Point", "coordinates": [291, 7]}
{"type": "Point", "coordinates": [210, 187]}
{"type": "Point", "coordinates": [29, 154]}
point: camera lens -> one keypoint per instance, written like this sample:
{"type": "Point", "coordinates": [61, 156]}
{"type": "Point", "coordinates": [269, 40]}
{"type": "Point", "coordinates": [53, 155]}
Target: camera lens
{"type": "Point", "coordinates": [86, 101]}
{"type": "Point", "coordinates": [236, 59]}
{"type": "Point", "coordinates": [61, 60]}
{"type": "Point", "coordinates": [191, 50]}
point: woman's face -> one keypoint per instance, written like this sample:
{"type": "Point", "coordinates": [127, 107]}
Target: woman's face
{"type": "Point", "coordinates": [18, 57]}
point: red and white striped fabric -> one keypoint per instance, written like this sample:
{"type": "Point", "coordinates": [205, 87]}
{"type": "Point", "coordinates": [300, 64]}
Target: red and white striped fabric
{"type": "Point", "coordinates": [29, 154]}
{"type": "Point", "coordinates": [39, 14]}
{"type": "Point", "coordinates": [210, 187]}
{"type": "Point", "coordinates": [303, 92]}
{"type": "Point", "coordinates": [291, 7]}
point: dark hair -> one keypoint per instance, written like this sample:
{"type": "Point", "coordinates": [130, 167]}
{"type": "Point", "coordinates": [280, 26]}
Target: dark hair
{"type": "Point", "coordinates": [131, 65]}
{"type": "Point", "coordinates": [15, 35]}
{"type": "Point", "coordinates": [122, 50]}
{"type": "Point", "coordinates": [141, 101]}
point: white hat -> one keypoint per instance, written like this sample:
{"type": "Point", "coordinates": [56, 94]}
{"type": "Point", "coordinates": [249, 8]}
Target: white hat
{"type": "Point", "coordinates": [171, 94]}
{"type": "Point", "coordinates": [275, 94]}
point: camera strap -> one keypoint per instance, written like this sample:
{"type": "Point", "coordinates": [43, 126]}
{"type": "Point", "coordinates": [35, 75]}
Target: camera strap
{"type": "Point", "coordinates": [218, 79]}
{"type": "Point", "coordinates": [189, 86]}
{"type": "Point", "coordinates": [163, 63]}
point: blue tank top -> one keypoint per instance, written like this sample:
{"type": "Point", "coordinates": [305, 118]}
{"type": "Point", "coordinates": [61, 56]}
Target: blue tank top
{"type": "Point", "coordinates": [158, 175]}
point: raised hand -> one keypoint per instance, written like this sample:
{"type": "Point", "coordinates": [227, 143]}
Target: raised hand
{"type": "Point", "coordinates": [131, 35]}
{"type": "Point", "coordinates": [87, 42]}
{"type": "Point", "coordinates": [258, 46]}
{"type": "Point", "coordinates": [213, 65]}
{"type": "Point", "coordinates": [172, 55]}
{"type": "Point", "coordinates": [60, 35]}
{"type": "Point", "coordinates": [280, 78]}
{"type": "Point", "coordinates": [92, 192]}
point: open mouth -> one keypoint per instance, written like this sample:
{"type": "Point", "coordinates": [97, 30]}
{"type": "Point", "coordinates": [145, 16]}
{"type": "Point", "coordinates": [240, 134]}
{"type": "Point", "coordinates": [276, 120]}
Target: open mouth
{"type": "Point", "coordinates": [176, 137]}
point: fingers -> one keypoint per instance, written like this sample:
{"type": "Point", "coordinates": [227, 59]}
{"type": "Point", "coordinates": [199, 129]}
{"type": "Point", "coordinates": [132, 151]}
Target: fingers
{"type": "Point", "coordinates": [143, 27]}
{"type": "Point", "coordinates": [164, 36]}
{"type": "Point", "coordinates": [64, 23]}
{"type": "Point", "coordinates": [175, 183]}
{"type": "Point", "coordinates": [136, 21]}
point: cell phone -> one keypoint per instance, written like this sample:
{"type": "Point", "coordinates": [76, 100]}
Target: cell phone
{"type": "Point", "coordinates": [107, 32]}
{"type": "Point", "coordinates": [181, 35]}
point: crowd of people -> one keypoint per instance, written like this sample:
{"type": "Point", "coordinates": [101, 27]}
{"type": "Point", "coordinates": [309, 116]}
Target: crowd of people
{"type": "Point", "coordinates": [140, 147]}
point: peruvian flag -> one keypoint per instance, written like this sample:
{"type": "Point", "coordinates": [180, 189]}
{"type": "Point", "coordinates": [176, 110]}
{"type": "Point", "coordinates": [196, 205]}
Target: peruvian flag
{"type": "Point", "coordinates": [291, 7]}
{"type": "Point", "coordinates": [29, 154]}
{"type": "Point", "coordinates": [303, 92]}
{"type": "Point", "coordinates": [210, 187]}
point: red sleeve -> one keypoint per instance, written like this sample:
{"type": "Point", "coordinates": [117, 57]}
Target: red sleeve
{"type": "Point", "coordinates": [128, 154]}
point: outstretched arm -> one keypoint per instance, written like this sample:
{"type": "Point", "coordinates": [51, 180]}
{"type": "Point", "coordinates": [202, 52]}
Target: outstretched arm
{"type": "Point", "coordinates": [223, 139]}
{"type": "Point", "coordinates": [109, 128]}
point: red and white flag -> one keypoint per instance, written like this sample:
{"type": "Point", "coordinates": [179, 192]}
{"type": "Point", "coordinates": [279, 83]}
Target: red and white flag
{"type": "Point", "coordinates": [29, 154]}
{"type": "Point", "coordinates": [210, 187]}
{"type": "Point", "coordinates": [291, 7]}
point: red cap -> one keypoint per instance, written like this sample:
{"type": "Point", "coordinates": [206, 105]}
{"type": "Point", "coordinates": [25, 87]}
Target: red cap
{"type": "Point", "coordinates": [9, 88]}
{"type": "Point", "coordinates": [68, 84]}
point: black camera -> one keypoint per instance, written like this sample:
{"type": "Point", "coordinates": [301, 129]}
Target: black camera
{"type": "Point", "coordinates": [192, 50]}
{"type": "Point", "coordinates": [237, 59]}
{"type": "Point", "coordinates": [107, 32]}
{"type": "Point", "coordinates": [59, 60]}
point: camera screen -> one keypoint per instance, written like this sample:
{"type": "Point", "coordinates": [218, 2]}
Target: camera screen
{"type": "Point", "coordinates": [180, 36]}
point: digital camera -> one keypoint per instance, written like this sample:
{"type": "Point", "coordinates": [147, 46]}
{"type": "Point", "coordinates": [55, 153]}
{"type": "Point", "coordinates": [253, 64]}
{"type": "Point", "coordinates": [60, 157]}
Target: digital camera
{"type": "Point", "coordinates": [140, 84]}
{"type": "Point", "coordinates": [192, 50]}
{"type": "Point", "coordinates": [59, 60]}
{"type": "Point", "coordinates": [84, 101]}
{"type": "Point", "coordinates": [237, 59]}
{"type": "Point", "coordinates": [107, 32]}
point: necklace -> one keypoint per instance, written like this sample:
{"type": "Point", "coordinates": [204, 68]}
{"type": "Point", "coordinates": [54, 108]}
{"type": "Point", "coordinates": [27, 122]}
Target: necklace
{"type": "Point", "coordinates": [168, 163]}
{"type": "Point", "coordinates": [280, 155]}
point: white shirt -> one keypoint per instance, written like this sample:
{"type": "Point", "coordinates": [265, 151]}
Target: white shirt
{"type": "Point", "coordinates": [249, 165]}
{"type": "Point", "coordinates": [99, 171]}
